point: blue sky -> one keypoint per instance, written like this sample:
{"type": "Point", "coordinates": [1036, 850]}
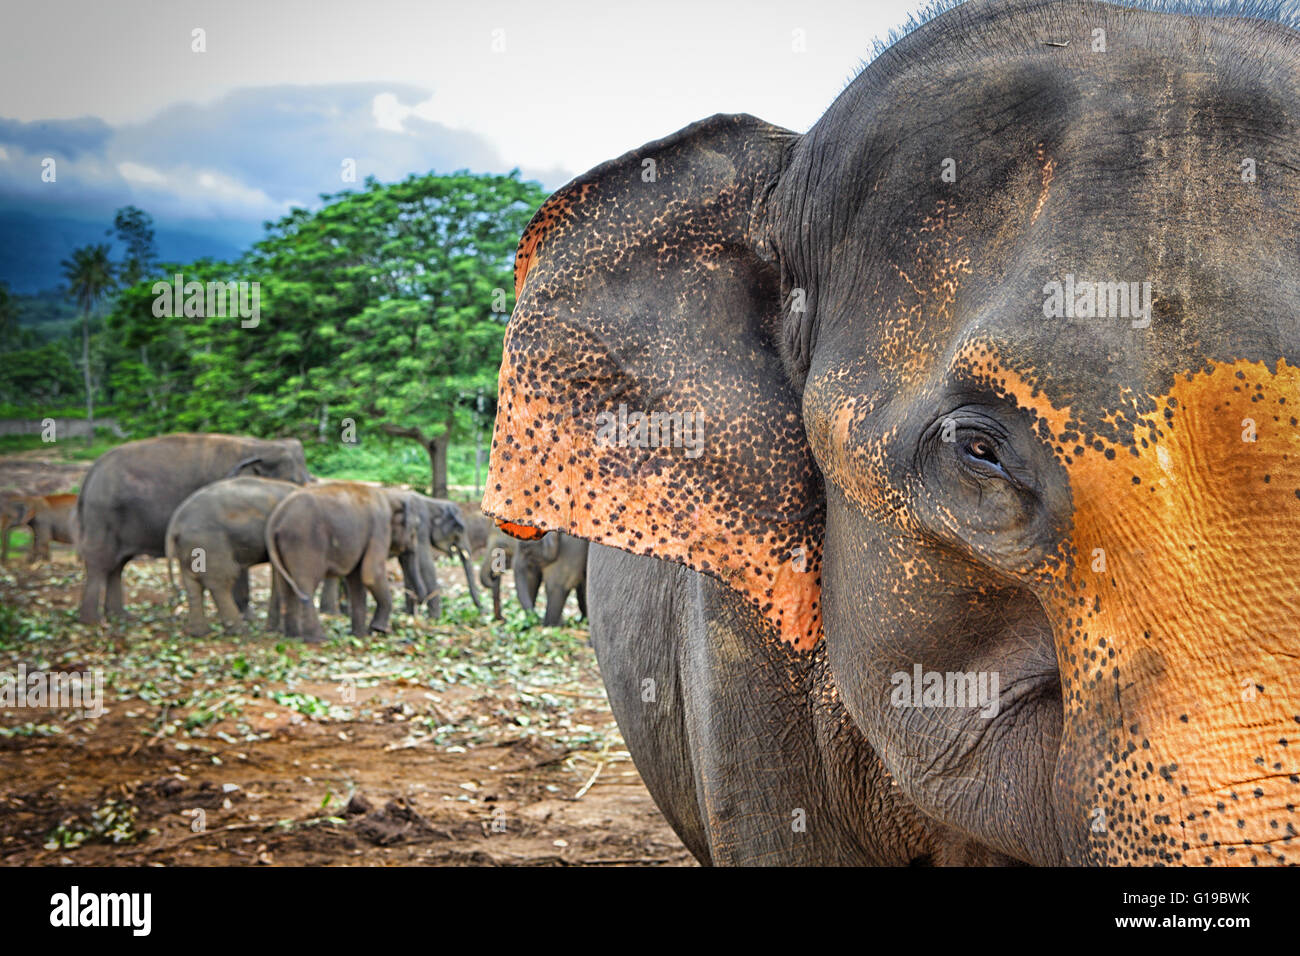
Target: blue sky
{"type": "Point", "coordinates": [286, 91]}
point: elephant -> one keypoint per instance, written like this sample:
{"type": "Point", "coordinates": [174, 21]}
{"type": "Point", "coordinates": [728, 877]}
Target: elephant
{"type": "Point", "coordinates": [444, 530]}
{"type": "Point", "coordinates": [556, 560]}
{"type": "Point", "coordinates": [130, 492]}
{"type": "Point", "coordinates": [344, 529]}
{"type": "Point", "coordinates": [224, 523]}
{"type": "Point", "coordinates": [944, 456]}
{"type": "Point", "coordinates": [50, 518]}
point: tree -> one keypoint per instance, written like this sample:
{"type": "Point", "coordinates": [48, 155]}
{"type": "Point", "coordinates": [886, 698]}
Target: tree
{"type": "Point", "coordinates": [8, 316]}
{"type": "Point", "coordinates": [133, 227]}
{"type": "Point", "coordinates": [398, 296]}
{"type": "Point", "coordinates": [90, 275]}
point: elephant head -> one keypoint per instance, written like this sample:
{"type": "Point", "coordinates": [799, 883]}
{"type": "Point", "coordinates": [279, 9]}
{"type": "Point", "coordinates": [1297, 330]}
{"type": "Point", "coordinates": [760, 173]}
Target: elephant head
{"type": "Point", "coordinates": [448, 533]}
{"type": "Point", "coordinates": [992, 374]}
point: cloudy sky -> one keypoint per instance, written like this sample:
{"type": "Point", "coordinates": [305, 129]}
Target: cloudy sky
{"type": "Point", "coordinates": [115, 92]}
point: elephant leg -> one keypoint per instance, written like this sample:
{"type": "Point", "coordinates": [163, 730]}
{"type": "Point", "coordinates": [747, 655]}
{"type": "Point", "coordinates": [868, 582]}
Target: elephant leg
{"type": "Point", "coordinates": [409, 577]}
{"type": "Point", "coordinates": [308, 621]}
{"type": "Point", "coordinates": [292, 612]}
{"type": "Point", "coordinates": [432, 595]}
{"type": "Point", "coordinates": [374, 575]}
{"type": "Point", "coordinates": [496, 598]}
{"type": "Point", "coordinates": [527, 584]}
{"type": "Point", "coordinates": [556, 595]}
{"type": "Point", "coordinates": [40, 543]}
{"type": "Point", "coordinates": [114, 600]}
{"type": "Point", "coordinates": [196, 623]}
{"type": "Point", "coordinates": [241, 591]}
{"type": "Point", "coordinates": [273, 606]}
{"type": "Point", "coordinates": [225, 592]}
{"type": "Point", "coordinates": [582, 599]}
{"type": "Point", "coordinates": [92, 591]}
{"type": "Point", "coordinates": [357, 602]}
{"type": "Point", "coordinates": [329, 595]}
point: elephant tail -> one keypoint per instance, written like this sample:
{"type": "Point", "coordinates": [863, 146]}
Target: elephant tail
{"type": "Point", "coordinates": [169, 552]}
{"type": "Point", "coordinates": [273, 552]}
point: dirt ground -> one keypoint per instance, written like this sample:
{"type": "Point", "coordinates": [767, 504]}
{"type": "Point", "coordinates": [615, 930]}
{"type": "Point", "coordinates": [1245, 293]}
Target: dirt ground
{"type": "Point", "coordinates": [447, 742]}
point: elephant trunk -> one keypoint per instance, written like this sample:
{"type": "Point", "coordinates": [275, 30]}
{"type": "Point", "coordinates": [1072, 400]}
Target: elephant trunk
{"type": "Point", "coordinates": [462, 546]}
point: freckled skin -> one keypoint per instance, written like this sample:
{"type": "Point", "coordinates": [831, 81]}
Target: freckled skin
{"type": "Point", "coordinates": [1109, 524]}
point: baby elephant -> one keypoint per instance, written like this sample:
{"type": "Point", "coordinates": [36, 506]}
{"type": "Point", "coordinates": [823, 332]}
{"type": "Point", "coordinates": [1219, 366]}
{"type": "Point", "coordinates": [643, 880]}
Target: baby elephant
{"type": "Point", "coordinates": [50, 518]}
{"type": "Point", "coordinates": [345, 529]}
{"type": "Point", "coordinates": [557, 560]}
{"type": "Point", "coordinates": [218, 533]}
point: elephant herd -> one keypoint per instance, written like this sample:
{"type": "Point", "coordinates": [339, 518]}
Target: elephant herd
{"type": "Point", "coordinates": [216, 505]}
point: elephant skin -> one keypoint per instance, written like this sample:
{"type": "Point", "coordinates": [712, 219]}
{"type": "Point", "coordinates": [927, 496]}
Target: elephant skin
{"type": "Point", "coordinates": [130, 492]}
{"type": "Point", "coordinates": [344, 529]}
{"type": "Point", "coordinates": [50, 518]}
{"type": "Point", "coordinates": [226, 521]}
{"type": "Point", "coordinates": [969, 417]}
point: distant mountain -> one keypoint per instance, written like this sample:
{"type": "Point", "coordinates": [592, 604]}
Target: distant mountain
{"type": "Point", "coordinates": [32, 245]}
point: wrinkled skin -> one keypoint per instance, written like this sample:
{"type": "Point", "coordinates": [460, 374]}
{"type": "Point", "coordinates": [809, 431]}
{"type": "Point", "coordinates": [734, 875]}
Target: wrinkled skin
{"type": "Point", "coordinates": [131, 491]}
{"type": "Point", "coordinates": [912, 460]}
{"type": "Point", "coordinates": [49, 517]}
{"type": "Point", "coordinates": [227, 521]}
{"type": "Point", "coordinates": [556, 561]}
{"type": "Point", "coordinates": [344, 529]}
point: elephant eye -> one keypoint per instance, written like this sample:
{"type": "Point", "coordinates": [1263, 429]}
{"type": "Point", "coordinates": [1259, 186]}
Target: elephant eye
{"type": "Point", "coordinates": [982, 449]}
{"type": "Point", "coordinates": [981, 456]}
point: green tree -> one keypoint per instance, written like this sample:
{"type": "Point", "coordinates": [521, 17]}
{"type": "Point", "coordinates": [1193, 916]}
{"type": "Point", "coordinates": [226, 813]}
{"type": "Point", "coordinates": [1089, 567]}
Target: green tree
{"type": "Point", "coordinates": [388, 306]}
{"type": "Point", "coordinates": [90, 275]}
{"type": "Point", "coordinates": [133, 227]}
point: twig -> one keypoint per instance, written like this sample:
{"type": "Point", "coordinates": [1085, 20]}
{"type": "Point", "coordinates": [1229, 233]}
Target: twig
{"type": "Point", "coordinates": [587, 786]}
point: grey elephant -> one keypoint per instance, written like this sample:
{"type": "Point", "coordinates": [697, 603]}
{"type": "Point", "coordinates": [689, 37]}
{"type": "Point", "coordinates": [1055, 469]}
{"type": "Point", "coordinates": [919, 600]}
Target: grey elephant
{"type": "Point", "coordinates": [557, 562]}
{"type": "Point", "coordinates": [131, 491]}
{"type": "Point", "coordinates": [946, 454]}
{"type": "Point", "coordinates": [218, 533]}
{"type": "Point", "coordinates": [347, 530]}
{"type": "Point", "coordinates": [445, 530]}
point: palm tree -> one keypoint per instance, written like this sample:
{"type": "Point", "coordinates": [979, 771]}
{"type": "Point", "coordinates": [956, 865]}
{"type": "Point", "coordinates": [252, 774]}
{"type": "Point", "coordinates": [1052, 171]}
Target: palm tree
{"type": "Point", "coordinates": [90, 274]}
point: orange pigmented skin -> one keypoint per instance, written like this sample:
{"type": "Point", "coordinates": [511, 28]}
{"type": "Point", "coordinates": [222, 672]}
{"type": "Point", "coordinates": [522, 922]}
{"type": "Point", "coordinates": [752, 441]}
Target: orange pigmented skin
{"type": "Point", "coordinates": [521, 531]}
{"type": "Point", "coordinates": [1176, 616]}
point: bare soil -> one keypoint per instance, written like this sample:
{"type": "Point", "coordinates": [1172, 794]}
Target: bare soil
{"type": "Point", "coordinates": [447, 742]}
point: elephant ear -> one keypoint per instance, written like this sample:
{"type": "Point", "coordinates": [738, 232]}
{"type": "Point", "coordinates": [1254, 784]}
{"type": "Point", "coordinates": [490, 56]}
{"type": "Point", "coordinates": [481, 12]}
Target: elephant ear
{"type": "Point", "coordinates": [647, 288]}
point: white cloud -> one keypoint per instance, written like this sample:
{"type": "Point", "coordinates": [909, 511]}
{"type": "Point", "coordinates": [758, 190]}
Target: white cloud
{"type": "Point", "coordinates": [230, 196]}
{"type": "Point", "coordinates": [141, 174]}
